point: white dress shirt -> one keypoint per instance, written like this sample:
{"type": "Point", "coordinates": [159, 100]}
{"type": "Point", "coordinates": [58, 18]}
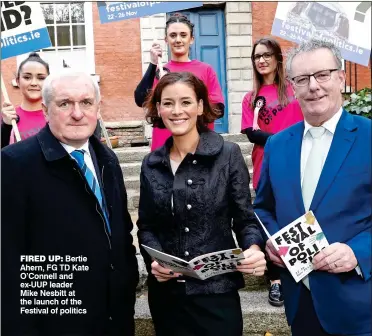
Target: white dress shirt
{"type": "Point", "coordinates": [87, 156]}
{"type": "Point", "coordinates": [326, 139]}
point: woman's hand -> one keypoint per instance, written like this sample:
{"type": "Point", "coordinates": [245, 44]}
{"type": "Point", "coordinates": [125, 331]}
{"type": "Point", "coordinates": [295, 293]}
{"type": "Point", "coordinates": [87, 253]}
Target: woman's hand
{"type": "Point", "coordinates": [273, 254]}
{"type": "Point", "coordinates": [8, 113]}
{"type": "Point", "coordinates": [254, 262]}
{"type": "Point", "coordinates": [163, 274]}
{"type": "Point", "coordinates": [155, 53]}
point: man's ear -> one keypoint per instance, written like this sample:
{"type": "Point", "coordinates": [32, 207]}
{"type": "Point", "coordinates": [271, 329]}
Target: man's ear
{"type": "Point", "coordinates": [99, 111]}
{"type": "Point", "coordinates": [45, 111]}
{"type": "Point", "coordinates": [200, 107]}
{"type": "Point", "coordinates": [342, 77]}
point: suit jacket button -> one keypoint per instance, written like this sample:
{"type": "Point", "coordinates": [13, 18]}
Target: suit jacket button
{"type": "Point", "coordinates": [187, 229]}
{"type": "Point", "coordinates": [186, 254]}
{"type": "Point", "coordinates": [112, 267]}
{"type": "Point", "coordinates": [194, 162]}
{"type": "Point", "coordinates": [188, 206]}
{"type": "Point", "coordinates": [189, 182]}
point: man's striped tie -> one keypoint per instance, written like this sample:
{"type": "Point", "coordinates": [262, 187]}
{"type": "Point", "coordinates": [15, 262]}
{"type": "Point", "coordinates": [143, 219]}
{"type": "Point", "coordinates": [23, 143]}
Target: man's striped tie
{"type": "Point", "coordinates": [78, 155]}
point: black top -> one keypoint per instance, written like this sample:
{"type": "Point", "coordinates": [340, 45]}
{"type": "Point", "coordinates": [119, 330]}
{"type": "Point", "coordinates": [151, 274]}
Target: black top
{"type": "Point", "coordinates": [6, 131]}
{"type": "Point", "coordinates": [210, 190]}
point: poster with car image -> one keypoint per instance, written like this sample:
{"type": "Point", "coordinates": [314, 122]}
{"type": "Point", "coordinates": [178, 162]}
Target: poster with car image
{"type": "Point", "coordinates": [345, 24]}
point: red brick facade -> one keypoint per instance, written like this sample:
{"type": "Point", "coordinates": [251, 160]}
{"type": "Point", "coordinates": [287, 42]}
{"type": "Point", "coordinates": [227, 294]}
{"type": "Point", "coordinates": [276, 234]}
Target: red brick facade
{"type": "Point", "coordinates": [117, 49]}
{"type": "Point", "coordinates": [118, 61]}
{"type": "Point", "coordinates": [263, 14]}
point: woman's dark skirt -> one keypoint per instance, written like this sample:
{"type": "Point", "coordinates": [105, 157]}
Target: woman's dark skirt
{"type": "Point", "coordinates": [178, 314]}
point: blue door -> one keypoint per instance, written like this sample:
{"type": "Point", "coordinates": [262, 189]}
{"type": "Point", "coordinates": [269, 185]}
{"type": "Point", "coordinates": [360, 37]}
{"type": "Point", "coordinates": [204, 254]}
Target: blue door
{"type": "Point", "coordinates": [209, 47]}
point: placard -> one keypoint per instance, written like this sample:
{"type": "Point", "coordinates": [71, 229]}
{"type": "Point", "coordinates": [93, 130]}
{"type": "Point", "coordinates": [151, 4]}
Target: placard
{"type": "Point", "coordinates": [23, 28]}
{"type": "Point", "coordinates": [346, 24]}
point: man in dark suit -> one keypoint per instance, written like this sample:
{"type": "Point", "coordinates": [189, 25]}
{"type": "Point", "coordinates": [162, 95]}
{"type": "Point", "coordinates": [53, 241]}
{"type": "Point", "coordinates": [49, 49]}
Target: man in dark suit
{"type": "Point", "coordinates": [63, 196]}
{"type": "Point", "coordinates": [322, 164]}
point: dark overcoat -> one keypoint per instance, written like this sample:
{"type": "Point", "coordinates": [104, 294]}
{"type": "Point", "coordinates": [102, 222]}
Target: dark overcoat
{"type": "Point", "coordinates": [48, 209]}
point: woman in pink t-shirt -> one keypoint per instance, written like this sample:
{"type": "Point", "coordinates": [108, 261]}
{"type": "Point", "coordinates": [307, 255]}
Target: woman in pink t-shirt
{"type": "Point", "coordinates": [179, 33]}
{"type": "Point", "coordinates": [280, 110]}
{"type": "Point", "coordinates": [30, 78]}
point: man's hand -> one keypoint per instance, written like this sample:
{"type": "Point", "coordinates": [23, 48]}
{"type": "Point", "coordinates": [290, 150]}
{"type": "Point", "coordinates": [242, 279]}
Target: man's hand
{"type": "Point", "coordinates": [254, 262]}
{"type": "Point", "coordinates": [273, 254]}
{"type": "Point", "coordinates": [335, 258]}
{"type": "Point", "coordinates": [162, 274]}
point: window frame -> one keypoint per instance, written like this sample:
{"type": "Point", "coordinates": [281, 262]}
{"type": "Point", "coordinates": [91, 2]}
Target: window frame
{"type": "Point", "coordinates": [89, 36]}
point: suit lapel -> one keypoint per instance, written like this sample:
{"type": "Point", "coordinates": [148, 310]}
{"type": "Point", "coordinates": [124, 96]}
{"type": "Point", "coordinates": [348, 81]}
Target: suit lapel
{"type": "Point", "coordinates": [293, 166]}
{"type": "Point", "coordinates": [342, 142]}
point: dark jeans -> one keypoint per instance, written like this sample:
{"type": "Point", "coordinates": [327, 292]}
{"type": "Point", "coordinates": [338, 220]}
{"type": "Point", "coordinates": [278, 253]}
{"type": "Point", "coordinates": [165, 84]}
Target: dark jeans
{"type": "Point", "coordinates": [194, 315]}
{"type": "Point", "coordinates": [272, 272]}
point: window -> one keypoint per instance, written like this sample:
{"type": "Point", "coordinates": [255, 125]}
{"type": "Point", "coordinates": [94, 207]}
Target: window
{"type": "Point", "coordinates": [70, 29]}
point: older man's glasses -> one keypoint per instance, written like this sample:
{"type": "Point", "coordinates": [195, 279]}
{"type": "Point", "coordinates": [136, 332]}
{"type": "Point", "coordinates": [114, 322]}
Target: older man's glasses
{"type": "Point", "coordinates": [266, 56]}
{"type": "Point", "coordinates": [320, 76]}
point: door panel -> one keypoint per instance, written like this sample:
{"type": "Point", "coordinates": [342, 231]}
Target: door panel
{"type": "Point", "coordinates": [209, 47]}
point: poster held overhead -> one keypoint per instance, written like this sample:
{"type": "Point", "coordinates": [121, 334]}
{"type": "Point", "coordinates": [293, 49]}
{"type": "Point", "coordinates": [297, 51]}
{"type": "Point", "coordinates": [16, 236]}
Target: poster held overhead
{"type": "Point", "coordinates": [340, 23]}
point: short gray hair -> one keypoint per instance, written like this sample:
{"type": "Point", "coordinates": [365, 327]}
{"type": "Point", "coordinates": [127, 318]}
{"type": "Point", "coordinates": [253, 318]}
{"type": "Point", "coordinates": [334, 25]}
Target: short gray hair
{"type": "Point", "coordinates": [47, 91]}
{"type": "Point", "coordinates": [311, 45]}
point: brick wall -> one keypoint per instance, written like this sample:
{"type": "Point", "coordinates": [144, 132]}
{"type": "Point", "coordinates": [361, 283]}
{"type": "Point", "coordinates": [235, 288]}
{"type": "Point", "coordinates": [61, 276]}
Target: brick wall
{"type": "Point", "coordinates": [118, 62]}
{"type": "Point", "coordinates": [263, 14]}
{"type": "Point", "coordinates": [8, 70]}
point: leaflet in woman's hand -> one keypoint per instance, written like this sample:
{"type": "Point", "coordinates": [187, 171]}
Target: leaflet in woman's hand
{"type": "Point", "coordinates": [202, 267]}
{"type": "Point", "coordinates": [298, 243]}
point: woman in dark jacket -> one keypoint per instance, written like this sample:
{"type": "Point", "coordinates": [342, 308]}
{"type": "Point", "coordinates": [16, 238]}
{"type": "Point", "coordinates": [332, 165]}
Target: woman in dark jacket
{"type": "Point", "coordinates": [194, 192]}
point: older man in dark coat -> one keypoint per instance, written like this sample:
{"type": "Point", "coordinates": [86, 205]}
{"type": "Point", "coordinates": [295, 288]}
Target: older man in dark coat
{"type": "Point", "coordinates": [64, 199]}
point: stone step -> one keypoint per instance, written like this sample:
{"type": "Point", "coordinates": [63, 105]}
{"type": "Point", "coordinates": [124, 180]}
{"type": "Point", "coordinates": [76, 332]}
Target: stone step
{"type": "Point", "coordinates": [131, 154]}
{"type": "Point", "coordinates": [258, 316]}
{"type": "Point", "coordinates": [136, 154]}
{"type": "Point", "coordinates": [235, 137]}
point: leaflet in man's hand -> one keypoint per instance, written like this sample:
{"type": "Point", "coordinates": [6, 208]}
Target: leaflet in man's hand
{"type": "Point", "coordinates": [298, 243]}
{"type": "Point", "coordinates": [202, 267]}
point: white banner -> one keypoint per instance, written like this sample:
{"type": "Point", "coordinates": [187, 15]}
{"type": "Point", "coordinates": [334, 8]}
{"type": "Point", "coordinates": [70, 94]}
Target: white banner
{"type": "Point", "coordinates": [23, 28]}
{"type": "Point", "coordinates": [346, 24]}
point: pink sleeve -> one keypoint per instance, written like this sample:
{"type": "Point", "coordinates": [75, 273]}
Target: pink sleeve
{"type": "Point", "coordinates": [247, 113]}
{"type": "Point", "coordinates": [214, 88]}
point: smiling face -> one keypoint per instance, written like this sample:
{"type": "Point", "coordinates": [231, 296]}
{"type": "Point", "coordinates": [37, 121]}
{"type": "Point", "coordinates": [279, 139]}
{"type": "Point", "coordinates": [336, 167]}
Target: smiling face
{"type": "Point", "coordinates": [179, 39]}
{"type": "Point", "coordinates": [73, 110]}
{"type": "Point", "coordinates": [179, 109]}
{"type": "Point", "coordinates": [31, 80]}
{"type": "Point", "coordinates": [319, 101]}
{"type": "Point", "coordinates": [268, 66]}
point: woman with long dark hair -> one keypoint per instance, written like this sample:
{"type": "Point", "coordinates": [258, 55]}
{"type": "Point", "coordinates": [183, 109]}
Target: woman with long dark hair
{"type": "Point", "coordinates": [30, 78]}
{"type": "Point", "coordinates": [179, 35]}
{"type": "Point", "coordinates": [269, 108]}
{"type": "Point", "coordinates": [193, 195]}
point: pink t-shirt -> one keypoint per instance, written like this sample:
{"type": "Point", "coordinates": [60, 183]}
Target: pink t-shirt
{"type": "Point", "coordinates": [30, 123]}
{"type": "Point", "coordinates": [204, 72]}
{"type": "Point", "coordinates": [272, 118]}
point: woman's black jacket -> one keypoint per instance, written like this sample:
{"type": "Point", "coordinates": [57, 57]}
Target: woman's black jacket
{"type": "Point", "coordinates": [210, 195]}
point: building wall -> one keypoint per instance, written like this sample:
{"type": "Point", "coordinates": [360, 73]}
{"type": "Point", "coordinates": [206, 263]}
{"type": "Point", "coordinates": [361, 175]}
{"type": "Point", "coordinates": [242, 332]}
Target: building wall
{"type": "Point", "coordinates": [118, 63]}
{"type": "Point", "coordinates": [238, 20]}
{"type": "Point", "coordinates": [263, 14]}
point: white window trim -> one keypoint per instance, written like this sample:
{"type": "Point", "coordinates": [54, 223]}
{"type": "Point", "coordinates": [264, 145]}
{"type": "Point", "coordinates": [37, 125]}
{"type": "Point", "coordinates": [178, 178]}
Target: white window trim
{"type": "Point", "coordinates": [89, 38]}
